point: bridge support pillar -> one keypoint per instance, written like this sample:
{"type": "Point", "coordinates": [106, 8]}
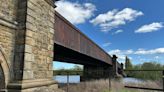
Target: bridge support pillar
{"type": "Point", "coordinates": [117, 70]}
{"type": "Point", "coordinates": [34, 47]}
{"type": "Point", "coordinates": [115, 66]}
{"type": "Point", "coordinates": [97, 72]}
{"type": "Point", "coordinates": [27, 39]}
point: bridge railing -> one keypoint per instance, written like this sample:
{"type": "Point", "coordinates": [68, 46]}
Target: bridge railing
{"type": "Point", "coordinates": [145, 79]}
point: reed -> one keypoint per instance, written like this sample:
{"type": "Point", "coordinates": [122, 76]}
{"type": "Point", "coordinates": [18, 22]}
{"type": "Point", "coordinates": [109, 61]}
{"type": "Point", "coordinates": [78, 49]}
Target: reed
{"type": "Point", "coordinates": [102, 85]}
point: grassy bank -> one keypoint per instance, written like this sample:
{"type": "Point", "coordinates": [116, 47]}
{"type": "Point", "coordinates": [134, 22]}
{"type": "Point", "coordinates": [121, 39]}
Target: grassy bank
{"type": "Point", "coordinates": [103, 86]}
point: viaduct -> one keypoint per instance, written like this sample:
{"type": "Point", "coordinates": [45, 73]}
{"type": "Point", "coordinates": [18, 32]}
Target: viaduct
{"type": "Point", "coordinates": [32, 36]}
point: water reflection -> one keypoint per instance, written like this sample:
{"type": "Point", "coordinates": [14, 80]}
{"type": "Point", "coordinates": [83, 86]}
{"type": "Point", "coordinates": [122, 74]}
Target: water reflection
{"type": "Point", "coordinates": [63, 79]}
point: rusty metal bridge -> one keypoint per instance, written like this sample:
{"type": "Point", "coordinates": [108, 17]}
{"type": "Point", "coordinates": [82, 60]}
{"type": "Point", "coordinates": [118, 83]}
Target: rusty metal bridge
{"type": "Point", "coordinates": [73, 46]}
{"type": "Point", "coordinates": [69, 37]}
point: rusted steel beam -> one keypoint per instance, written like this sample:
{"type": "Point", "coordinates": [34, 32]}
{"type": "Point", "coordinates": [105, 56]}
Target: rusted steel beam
{"type": "Point", "coordinates": [69, 36]}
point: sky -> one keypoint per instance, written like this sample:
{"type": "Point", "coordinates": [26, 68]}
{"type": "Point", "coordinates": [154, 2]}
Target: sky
{"type": "Point", "coordinates": [133, 28]}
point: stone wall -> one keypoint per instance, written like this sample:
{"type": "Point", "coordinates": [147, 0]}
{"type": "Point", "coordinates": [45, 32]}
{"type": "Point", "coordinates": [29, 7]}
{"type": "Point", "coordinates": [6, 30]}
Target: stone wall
{"type": "Point", "coordinates": [27, 39]}
{"type": "Point", "coordinates": [34, 40]}
{"type": "Point", "coordinates": [39, 39]}
{"type": "Point", "coordinates": [7, 32]}
{"type": "Point", "coordinates": [7, 42]}
{"type": "Point", "coordinates": [7, 37]}
{"type": "Point", "coordinates": [51, 88]}
{"type": "Point", "coordinates": [2, 79]}
{"type": "Point", "coordinates": [8, 10]}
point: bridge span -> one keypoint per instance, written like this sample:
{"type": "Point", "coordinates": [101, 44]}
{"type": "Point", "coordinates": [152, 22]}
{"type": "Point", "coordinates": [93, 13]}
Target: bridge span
{"type": "Point", "coordinates": [72, 46]}
{"type": "Point", "coordinates": [69, 37]}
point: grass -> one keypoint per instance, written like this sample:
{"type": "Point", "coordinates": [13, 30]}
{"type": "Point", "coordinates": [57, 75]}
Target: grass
{"type": "Point", "coordinates": [148, 84]}
{"type": "Point", "coordinates": [102, 85]}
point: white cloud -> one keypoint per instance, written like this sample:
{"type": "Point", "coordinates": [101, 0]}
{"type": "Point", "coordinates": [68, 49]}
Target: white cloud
{"type": "Point", "coordinates": [138, 52]}
{"type": "Point", "coordinates": [117, 32]}
{"type": "Point", "coordinates": [153, 51]}
{"type": "Point", "coordinates": [156, 57]}
{"type": "Point", "coordinates": [128, 51]}
{"type": "Point", "coordinates": [155, 26]}
{"type": "Point", "coordinates": [103, 18]}
{"type": "Point", "coordinates": [106, 44]}
{"type": "Point", "coordinates": [117, 51]}
{"type": "Point", "coordinates": [125, 52]}
{"type": "Point", "coordinates": [113, 19]}
{"type": "Point", "coordinates": [76, 13]}
{"type": "Point", "coordinates": [121, 54]}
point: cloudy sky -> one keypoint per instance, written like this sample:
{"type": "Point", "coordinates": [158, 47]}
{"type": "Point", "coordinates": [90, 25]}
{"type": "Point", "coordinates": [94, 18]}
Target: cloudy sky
{"type": "Point", "coordinates": [133, 28]}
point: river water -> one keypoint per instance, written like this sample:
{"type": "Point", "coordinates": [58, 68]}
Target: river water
{"type": "Point", "coordinates": [76, 79]}
{"type": "Point", "coordinates": [63, 79]}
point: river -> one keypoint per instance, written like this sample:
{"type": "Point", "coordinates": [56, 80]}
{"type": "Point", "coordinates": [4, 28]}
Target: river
{"type": "Point", "coordinates": [63, 79]}
{"type": "Point", "coordinates": [76, 79]}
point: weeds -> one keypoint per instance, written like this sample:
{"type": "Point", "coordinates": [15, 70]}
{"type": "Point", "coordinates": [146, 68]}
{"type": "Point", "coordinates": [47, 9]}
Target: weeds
{"type": "Point", "coordinates": [103, 86]}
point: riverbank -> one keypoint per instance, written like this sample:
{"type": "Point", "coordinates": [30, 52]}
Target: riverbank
{"type": "Point", "coordinates": [102, 85]}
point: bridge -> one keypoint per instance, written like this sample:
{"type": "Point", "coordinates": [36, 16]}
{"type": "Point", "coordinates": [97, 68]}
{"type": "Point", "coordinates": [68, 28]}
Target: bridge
{"type": "Point", "coordinates": [70, 39]}
{"type": "Point", "coordinates": [32, 36]}
{"type": "Point", "coordinates": [72, 46]}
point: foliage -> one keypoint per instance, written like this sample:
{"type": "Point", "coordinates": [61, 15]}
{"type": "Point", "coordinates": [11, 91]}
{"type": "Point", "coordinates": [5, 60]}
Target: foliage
{"type": "Point", "coordinates": [150, 75]}
{"type": "Point", "coordinates": [146, 75]}
{"type": "Point", "coordinates": [128, 64]}
{"type": "Point", "coordinates": [76, 70]}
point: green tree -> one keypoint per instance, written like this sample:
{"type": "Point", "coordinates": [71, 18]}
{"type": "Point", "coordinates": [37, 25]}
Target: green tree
{"type": "Point", "coordinates": [77, 68]}
{"type": "Point", "coordinates": [147, 75]}
{"type": "Point", "coordinates": [128, 64]}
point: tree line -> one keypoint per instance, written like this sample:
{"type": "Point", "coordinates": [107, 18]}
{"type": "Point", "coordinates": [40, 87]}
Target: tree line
{"type": "Point", "coordinates": [146, 75]}
{"type": "Point", "coordinates": [76, 70]}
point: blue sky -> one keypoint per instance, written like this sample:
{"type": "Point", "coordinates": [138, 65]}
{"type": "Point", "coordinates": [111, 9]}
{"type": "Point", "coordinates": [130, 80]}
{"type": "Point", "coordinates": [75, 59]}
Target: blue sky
{"type": "Point", "coordinates": [132, 28]}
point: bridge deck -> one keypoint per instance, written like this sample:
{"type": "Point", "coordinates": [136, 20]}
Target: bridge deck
{"type": "Point", "coordinates": [67, 35]}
